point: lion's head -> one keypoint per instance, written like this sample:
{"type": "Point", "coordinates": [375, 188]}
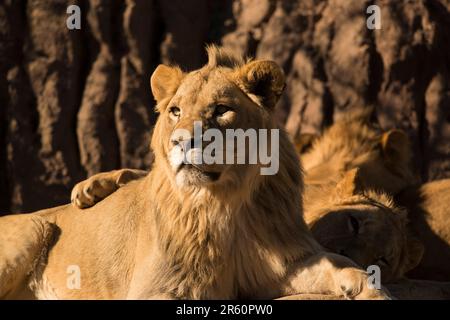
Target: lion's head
{"type": "Point", "coordinates": [384, 158]}
{"type": "Point", "coordinates": [228, 93]}
{"type": "Point", "coordinates": [363, 225]}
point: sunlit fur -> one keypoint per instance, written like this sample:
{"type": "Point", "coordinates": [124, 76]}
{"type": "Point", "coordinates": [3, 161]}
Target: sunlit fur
{"type": "Point", "coordinates": [382, 237]}
{"type": "Point", "coordinates": [352, 141]}
{"type": "Point", "coordinates": [236, 237]}
{"type": "Point", "coordinates": [228, 238]}
{"type": "Point", "coordinates": [383, 163]}
{"type": "Point", "coordinates": [241, 235]}
{"type": "Point", "coordinates": [325, 204]}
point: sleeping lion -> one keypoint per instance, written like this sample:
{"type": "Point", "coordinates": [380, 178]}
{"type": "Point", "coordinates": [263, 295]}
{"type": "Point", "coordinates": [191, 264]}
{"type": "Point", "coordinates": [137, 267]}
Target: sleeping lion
{"type": "Point", "coordinates": [187, 231]}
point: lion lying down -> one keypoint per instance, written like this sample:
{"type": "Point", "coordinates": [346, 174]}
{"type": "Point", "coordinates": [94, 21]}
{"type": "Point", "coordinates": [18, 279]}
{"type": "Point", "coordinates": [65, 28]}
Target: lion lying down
{"type": "Point", "coordinates": [341, 209]}
{"type": "Point", "coordinates": [185, 231]}
{"type": "Point", "coordinates": [351, 173]}
{"type": "Point", "coordinates": [382, 233]}
{"type": "Point", "coordinates": [372, 227]}
{"type": "Point", "coordinates": [336, 215]}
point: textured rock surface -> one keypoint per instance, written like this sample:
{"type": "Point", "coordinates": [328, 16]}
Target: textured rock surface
{"type": "Point", "coordinates": [73, 103]}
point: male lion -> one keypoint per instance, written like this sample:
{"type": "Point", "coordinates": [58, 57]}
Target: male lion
{"type": "Point", "coordinates": [349, 218]}
{"type": "Point", "coordinates": [344, 165]}
{"type": "Point", "coordinates": [199, 231]}
{"type": "Point", "coordinates": [344, 216]}
{"type": "Point", "coordinates": [383, 159]}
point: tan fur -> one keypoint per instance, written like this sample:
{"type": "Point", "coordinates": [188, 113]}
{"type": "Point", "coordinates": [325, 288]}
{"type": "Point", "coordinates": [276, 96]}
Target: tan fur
{"type": "Point", "coordinates": [242, 235]}
{"type": "Point", "coordinates": [351, 173]}
{"type": "Point", "coordinates": [364, 225]}
{"type": "Point", "coordinates": [335, 194]}
{"type": "Point", "coordinates": [384, 238]}
{"type": "Point", "coordinates": [386, 234]}
{"type": "Point", "coordinates": [406, 241]}
{"type": "Point", "coordinates": [90, 191]}
{"type": "Point", "coordinates": [429, 215]}
{"type": "Point", "coordinates": [23, 240]}
{"type": "Point", "coordinates": [352, 142]}
{"type": "Point", "coordinates": [303, 142]}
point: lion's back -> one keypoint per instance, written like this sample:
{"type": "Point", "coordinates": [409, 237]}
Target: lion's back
{"type": "Point", "coordinates": [96, 244]}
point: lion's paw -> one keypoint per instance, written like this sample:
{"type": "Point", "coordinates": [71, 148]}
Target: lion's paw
{"type": "Point", "coordinates": [88, 192]}
{"type": "Point", "coordinates": [354, 284]}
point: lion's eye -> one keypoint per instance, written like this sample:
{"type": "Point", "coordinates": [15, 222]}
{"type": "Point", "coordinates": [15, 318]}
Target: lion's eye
{"type": "Point", "coordinates": [221, 109]}
{"type": "Point", "coordinates": [175, 111]}
{"type": "Point", "coordinates": [354, 224]}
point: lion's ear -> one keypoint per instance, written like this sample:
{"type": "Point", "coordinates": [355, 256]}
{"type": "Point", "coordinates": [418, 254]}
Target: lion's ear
{"type": "Point", "coordinates": [351, 184]}
{"type": "Point", "coordinates": [395, 146]}
{"type": "Point", "coordinates": [264, 79]}
{"type": "Point", "coordinates": [164, 81]}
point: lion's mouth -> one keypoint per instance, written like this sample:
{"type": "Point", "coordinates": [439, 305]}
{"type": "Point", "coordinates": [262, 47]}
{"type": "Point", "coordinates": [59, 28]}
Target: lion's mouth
{"type": "Point", "coordinates": [211, 175]}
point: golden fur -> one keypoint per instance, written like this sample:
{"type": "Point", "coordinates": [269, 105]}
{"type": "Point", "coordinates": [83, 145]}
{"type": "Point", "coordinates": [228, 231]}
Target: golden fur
{"type": "Point", "coordinates": [363, 225]}
{"type": "Point", "coordinates": [337, 195]}
{"type": "Point", "coordinates": [405, 242]}
{"type": "Point", "coordinates": [353, 142]}
{"type": "Point", "coordinates": [186, 234]}
{"type": "Point", "coordinates": [352, 171]}
{"type": "Point", "coordinates": [20, 255]}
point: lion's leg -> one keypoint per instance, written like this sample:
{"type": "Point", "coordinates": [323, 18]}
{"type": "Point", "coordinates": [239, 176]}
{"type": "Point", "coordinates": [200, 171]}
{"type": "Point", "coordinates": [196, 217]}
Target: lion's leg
{"type": "Point", "coordinates": [327, 273]}
{"type": "Point", "coordinates": [90, 191]}
{"type": "Point", "coordinates": [23, 243]}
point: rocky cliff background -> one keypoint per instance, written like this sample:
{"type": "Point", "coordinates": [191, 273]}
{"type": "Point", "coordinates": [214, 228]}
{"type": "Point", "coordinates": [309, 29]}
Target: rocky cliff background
{"type": "Point", "coordinates": [76, 102]}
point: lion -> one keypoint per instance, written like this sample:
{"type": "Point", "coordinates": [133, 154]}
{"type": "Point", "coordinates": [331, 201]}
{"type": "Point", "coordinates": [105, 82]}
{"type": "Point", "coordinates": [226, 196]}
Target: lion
{"type": "Point", "coordinates": [344, 216]}
{"type": "Point", "coordinates": [407, 237]}
{"type": "Point", "coordinates": [200, 231]}
{"type": "Point", "coordinates": [383, 158]}
{"type": "Point", "coordinates": [410, 220]}
{"type": "Point", "coordinates": [344, 188]}
{"type": "Point", "coordinates": [365, 225]}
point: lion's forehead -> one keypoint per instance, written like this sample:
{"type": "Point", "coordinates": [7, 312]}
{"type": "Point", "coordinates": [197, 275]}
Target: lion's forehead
{"type": "Point", "coordinates": [206, 87]}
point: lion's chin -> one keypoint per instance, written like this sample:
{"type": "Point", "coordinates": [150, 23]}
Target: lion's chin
{"type": "Point", "coordinates": [192, 176]}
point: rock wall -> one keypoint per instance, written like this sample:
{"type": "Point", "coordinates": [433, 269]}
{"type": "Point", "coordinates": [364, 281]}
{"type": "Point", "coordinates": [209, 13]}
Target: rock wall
{"type": "Point", "coordinates": [76, 102]}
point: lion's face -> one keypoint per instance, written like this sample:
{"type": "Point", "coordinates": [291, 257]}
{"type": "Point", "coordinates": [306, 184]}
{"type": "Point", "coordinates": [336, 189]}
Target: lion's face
{"type": "Point", "coordinates": [367, 234]}
{"type": "Point", "coordinates": [368, 228]}
{"type": "Point", "coordinates": [214, 102]}
{"type": "Point", "coordinates": [199, 108]}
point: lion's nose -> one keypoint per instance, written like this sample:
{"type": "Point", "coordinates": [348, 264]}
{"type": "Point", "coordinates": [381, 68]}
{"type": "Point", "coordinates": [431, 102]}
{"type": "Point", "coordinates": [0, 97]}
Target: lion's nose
{"type": "Point", "coordinates": [185, 144]}
{"type": "Point", "coordinates": [180, 136]}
